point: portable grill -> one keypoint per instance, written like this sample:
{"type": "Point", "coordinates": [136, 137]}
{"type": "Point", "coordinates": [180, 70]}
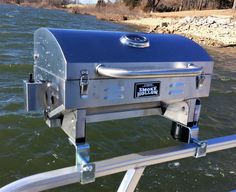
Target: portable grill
{"type": "Point", "coordinates": [91, 76]}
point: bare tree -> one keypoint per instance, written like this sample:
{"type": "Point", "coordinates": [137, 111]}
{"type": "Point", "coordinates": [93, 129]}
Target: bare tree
{"type": "Point", "coordinates": [234, 5]}
{"type": "Point", "coordinates": [181, 5]}
{"type": "Point", "coordinates": [152, 5]}
{"type": "Point", "coordinates": [200, 5]}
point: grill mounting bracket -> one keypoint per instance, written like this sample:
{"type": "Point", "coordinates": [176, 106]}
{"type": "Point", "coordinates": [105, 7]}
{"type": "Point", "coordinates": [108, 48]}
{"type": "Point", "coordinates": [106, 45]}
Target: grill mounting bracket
{"type": "Point", "coordinates": [85, 169]}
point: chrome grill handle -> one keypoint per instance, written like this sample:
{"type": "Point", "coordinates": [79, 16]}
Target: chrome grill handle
{"type": "Point", "coordinates": [189, 71]}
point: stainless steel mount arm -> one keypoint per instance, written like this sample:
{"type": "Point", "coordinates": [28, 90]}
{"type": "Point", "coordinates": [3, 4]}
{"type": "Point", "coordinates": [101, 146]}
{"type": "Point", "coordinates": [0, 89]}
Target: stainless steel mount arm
{"type": "Point", "coordinates": [189, 71]}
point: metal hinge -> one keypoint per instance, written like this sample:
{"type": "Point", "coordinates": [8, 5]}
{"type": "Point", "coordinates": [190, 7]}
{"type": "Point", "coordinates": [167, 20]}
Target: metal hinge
{"type": "Point", "coordinates": [84, 82]}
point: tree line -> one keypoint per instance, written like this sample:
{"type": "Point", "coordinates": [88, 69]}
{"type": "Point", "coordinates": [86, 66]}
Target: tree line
{"type": "Point", "coordinates": [180, 5]}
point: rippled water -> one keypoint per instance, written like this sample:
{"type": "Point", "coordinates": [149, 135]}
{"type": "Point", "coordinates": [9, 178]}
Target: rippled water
{"type": "Point", "coordinates": [28, 146]}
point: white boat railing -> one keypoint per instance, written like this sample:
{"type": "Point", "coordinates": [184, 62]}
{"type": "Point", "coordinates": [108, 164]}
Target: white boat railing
{"type": "Point", "coordinates": [134, 164]}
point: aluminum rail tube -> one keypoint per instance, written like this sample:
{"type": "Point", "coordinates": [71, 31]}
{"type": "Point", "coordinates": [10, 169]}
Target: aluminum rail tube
{"type": "Point", "coordinates": [189, 71]}
{"type": "Point", "coordinates": [69, 175]}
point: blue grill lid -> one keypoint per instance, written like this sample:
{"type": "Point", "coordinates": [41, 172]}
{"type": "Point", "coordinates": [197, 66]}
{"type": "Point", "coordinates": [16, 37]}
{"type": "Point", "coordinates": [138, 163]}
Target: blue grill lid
{"type": "Point", "coordinates": [103, 46]}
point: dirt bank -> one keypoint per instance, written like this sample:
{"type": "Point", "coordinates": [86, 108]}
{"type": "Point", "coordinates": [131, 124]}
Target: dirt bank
{"type": "Point", "coordinates": [111, 12]}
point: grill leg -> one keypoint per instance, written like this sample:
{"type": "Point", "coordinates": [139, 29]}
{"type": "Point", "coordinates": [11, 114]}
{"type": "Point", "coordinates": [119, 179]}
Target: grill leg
{"type": "Point", "coordinates": [74, 125]}
{"type": "Point", "coordinates": [131, 180]}
{"type": "Point", "coordinates": [185, 132]}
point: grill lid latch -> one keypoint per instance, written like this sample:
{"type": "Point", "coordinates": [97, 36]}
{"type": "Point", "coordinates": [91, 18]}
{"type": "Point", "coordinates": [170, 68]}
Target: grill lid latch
{"type": "Point", "coordinates": [200, 80]}
{"type": "Point", "coordinates": [84, 82]}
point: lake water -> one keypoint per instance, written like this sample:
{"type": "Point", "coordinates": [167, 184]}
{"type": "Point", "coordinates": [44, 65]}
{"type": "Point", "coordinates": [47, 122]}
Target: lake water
{"type": "Point", "coordinates": [28, 146]}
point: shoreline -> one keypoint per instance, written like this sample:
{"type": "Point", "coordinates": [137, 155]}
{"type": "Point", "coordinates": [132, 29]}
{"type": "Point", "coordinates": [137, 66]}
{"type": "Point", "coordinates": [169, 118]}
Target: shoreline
{"type": "Point", "coordinates": [213, 28]}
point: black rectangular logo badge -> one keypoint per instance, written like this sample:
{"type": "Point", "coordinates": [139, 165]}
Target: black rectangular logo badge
{"type": "Point", "coordinates": [146, 89]}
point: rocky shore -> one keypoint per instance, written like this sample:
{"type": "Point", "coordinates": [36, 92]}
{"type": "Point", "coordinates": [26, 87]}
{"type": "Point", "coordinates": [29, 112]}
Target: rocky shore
{"type": "Point", "coordinates": [218, 31]}
{"type": "Point", "coordinates": [209, 27]}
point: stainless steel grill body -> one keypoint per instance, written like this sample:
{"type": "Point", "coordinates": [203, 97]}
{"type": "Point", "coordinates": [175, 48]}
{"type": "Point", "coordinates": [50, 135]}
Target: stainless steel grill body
{"type": "Point", "coordinates": [91, 76]}
{"type": "Point", "coordinates": [65, 58]}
